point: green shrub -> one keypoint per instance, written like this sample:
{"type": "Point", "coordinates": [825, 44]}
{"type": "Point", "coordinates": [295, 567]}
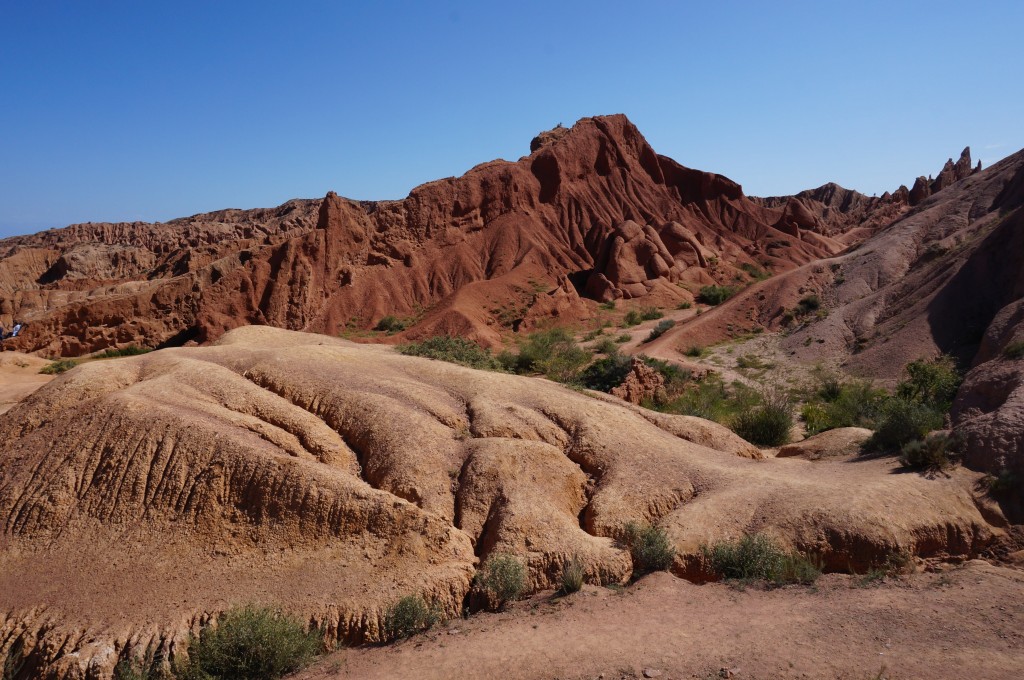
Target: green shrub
{"type": "Point", "coordinates": [607, 373]}
{"type": "Point", "coordinates": [675, 376]}
{"type": "Point", "coordinates": [836, 404]}
{"type": "Point", "coordinates": [129, 351]}
{"type": "Point", "coordinates": [59, 366]}
{"type": "Point", "coordinates": [632, 318]}
{"type": "Point", "coordinates": [593, 335]}
{"type": "Point", "coordinates": [902, 421]}
{"type": "Point", "coordinates": [933, 382]}
{"type": "Point", "coordinates": [624, 337]}
{"type": "Point", "coordinates": [390, 324]}
{"type": "Point", "coordinates": [454, 350]}
{"type": "Point", "coordinates": [715, 295]}
{"type": "Point", "coordinates": [140, 669]}
{"type": "Point", "coordinates": [250, 643]}
{"type": "Point", "coordinates": [14, 661]}
{"type": "Point", "coordinates": [685, 304]}
{"type": "Point", "coordinates": [606, 346]}
{"type": "Point", "coordinates": [695, 351]}
{"type": "Point", "coordinates": [649, 547]}
{"type": "Point", "coordinates": [758, 557]}
{"type": "Point", "coordinates": [552, 352]}
{"type": "Point", "coordinates": [572, 577]}
{"type": "Point", "coordinates": [502, 578]}
{"type": "Point", "coordinates": [650, 313]}
{"type": "Point", "coordinates": [410, 615]}
{"type": "Point", "coordinates": [935, 452]}
{"type": "Point", "coordinates": [1015, 350]}
{"type": "Point", "coordinates": [808, 303]}
{"type": "Point", "coordinates": [752, 361]}
{"type": "Point", "coordinates": [753, 272]}
{"type": "Point", "coordinates": [663, 326]}
{"type": "Point", "coordinates": [608, 306]}
{"type": "Point", "coordinates": [769, 422]}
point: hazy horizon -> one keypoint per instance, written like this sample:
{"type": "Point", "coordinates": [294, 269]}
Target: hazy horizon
{"type": "Point", "coordinates": [153, 112]}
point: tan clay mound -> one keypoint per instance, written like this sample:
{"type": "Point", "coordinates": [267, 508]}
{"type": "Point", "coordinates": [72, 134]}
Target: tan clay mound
{"type": "Point", "coordinates": [139, 496]}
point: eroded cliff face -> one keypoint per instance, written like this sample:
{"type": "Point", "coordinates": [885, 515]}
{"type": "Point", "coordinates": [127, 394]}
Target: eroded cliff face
{"type": "Point", "coordinates": [592, 204]}
{"type": "Point", "coordinates": [141, 496]}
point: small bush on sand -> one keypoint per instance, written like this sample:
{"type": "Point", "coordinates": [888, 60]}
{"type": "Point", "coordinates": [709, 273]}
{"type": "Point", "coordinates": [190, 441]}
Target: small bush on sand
{"type": "Point", "coordinates": [250, 643]}
{"type": "Point", "coordinates": [129, 351]}
{"type": "Point", "coordinates": [451, 349]}
{"type": "Point", "coordinates": [624, 337]}
{"type": "Point", "coordinates": [606, 346]}
{"type": "Point", "coordinates": [390, 324]}
{"type": "Point", "coordinates": [808, 304]}
{"type": "Point", "coordinates": [901, 422]}
{"type": "Point", "coordinates": [758, 557]}
{"type": "Point", "coordinates": [552, 352]}
{"type": "Point", "coordinates": [663, 326]}
{"type": "Point", "coordinates": [935, 453]}
{"type": "Point", "coordinates": [410, 615]}
{"type": "Point", "coordinates": [1015, 350]}
{"type": "Point", "coordinates": [696, 351]}
{"type": "Point", "coordinates": [650, 313]}
{"type": "Point", "coordinates": [767, 423]}
{"type": "Point", "coordinates": [572, 576]}
{"type": "Point", "coordinates": [649, 547]}
{"type": "Point", "coordinates": [685, 304]}
{"type": "Point", "coordinates": [502, 578]}
{"type": "Point", "coordinates": [606, 373]}
{"type": "Point", "coordinates": [59, 366]}
{"type": "Point", "coordinates": [632, 318]}
{"type": "Point", "coordinates": [932, 382]}
{"type": "Point", "coordinates": [715, 295]}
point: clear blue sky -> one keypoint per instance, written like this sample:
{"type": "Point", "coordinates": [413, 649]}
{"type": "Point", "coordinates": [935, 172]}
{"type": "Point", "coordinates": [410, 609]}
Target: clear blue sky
{"type": "Point", "coordinates": [154, 110]}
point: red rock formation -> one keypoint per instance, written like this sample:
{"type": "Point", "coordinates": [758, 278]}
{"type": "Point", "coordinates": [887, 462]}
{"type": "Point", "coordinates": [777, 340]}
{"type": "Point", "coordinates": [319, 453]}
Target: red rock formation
{"type": "Point", "coordinates": [593, 202]}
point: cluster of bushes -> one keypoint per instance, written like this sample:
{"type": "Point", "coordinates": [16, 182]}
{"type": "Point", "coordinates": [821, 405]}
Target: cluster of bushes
{"type": "Point", "coordinates": [663, 326]}
{"type": "Point", "coordinates": [715, 295]}
{"type": "Point", "coordinates": [454, 350]}
{"type": "Point", "coordinates": [391, 324]}
{"type": "Point", "coordinates": [649, 547]}
{"type": "Point", "coordinates": [761, 416]}
{"type": "Point", "coordinates": [758, 558]}
{"type": "Point", "coordinates": [901, 421]}
{"type": "Point", "coordinates": [637, 316]}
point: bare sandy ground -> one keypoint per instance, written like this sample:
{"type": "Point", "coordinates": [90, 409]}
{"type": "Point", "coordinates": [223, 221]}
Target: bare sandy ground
{"type": "Point", "coordinates": [19, 377]}
{"type": "Point", "coordinates": [965, 622]}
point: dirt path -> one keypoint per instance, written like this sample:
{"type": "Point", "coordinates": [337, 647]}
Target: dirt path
{"type": "Point", "coordinates": [967, 622]}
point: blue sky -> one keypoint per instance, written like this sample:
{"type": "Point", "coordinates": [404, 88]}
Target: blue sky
{"type": "Point", "coordinates": [153, 110]}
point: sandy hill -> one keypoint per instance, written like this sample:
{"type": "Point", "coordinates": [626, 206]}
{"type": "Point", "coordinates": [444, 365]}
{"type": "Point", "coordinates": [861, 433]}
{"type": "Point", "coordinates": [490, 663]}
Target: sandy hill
{"type": "Point", "coordinates": [592, 214]}
{"type": "Point", "coordinates": [140, 496]}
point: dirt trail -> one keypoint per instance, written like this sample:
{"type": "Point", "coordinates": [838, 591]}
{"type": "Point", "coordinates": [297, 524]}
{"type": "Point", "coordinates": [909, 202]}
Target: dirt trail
{"type": "Point", "coordinates": [964, 622]}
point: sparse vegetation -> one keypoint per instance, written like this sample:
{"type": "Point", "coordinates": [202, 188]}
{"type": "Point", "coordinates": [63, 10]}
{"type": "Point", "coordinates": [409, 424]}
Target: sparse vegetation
{"type": "Point", "coordinates": [59, 366]}
{"type": "Point", "coordinates": [1014, 350]}
{"type": "Point", "coordinates": [454, 350]}
{"type": "Point", "coordinates": [250, 643]}
{"type": "Point", "coordinates": [146, 668]}
{"type": "Point", "coordinates": [624, 337]}
{"type": "Point", "coordinates": [836, 403]}
{"type": "Point", "coordinates": [390, 324]}
{"type": "Point", "coordinates": [753, 272]}
{"type": "Point", "coordinates": [650, 313]}
{"type": "Point", "coordinates": [14, 661]}
{"type": "Point", "coordinates": [502, 578]}
{"type": "Point", "coordinates": [606, 346]}
{"type": "Point", "coordinates": [758, 558]}
{"type": "Point", "coordinates": [935, 453]}
{"type": "Point", "coordinates": [632, 318]}
{"type": "Point", "coordinates": [694, 351]}
{"type": "Point", "coordinates": [663, 326]}
{"type": "Point", "coordinates": [768, 423]}
{"type": "Point", "coordinates": [648, 546]}
{"type": "Point", "coordinates": [932, 382]}
{"type": "Point", "coordinates": [808, 304]}
{"type": "Point", "coordinates": [685, 304]}
{"type": "Point", "coordinates": [572, 577]}
{"type": "Point", "coordinates": [553, 353]}
{"type": "Point", "coordinates": [606, 373]}
{"type": "Point", "coordinates": [410, 615]}
{"type": "Point", "coordinates": [715, 295]}
{"type": "Point", "coordinates": [129, 351]}
{"type": "Point", "coordinates": [902, 421]}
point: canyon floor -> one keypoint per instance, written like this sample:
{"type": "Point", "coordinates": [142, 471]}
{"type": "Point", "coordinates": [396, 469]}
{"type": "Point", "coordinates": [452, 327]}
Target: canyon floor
{"type": "Point", "coordinates": [964, 621]}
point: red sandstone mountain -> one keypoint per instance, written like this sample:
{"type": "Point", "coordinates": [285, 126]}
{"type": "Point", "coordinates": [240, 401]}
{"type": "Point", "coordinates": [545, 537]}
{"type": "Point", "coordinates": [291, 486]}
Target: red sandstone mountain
{"type": "Point", "coordinates": [592, 214]}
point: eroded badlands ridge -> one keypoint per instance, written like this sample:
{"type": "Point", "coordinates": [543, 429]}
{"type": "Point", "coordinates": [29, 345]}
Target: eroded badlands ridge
{"type": "Point", "coordinates": [140, 496]}
{"type": "Point", "coordinates": [592, 213]}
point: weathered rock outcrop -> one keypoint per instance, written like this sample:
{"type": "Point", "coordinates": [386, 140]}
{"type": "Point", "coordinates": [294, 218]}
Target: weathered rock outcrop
{"type": "Point", "coordinates": [140, 496]}
{"type": "Point", "coordinates": [593, 203]}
